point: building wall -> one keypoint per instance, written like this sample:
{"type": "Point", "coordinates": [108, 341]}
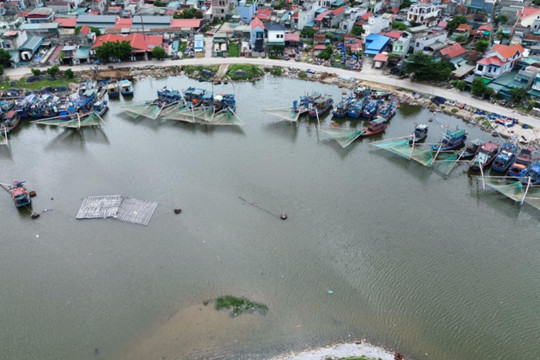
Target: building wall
{"type": "Point", "coordinates": [425, 41]}
{"type": "Point", "coordinates": [276, 36]}
{"type": "Point", "coordinates": [246, 12]}
{"type": "Point", "coordinates": [220, 8]}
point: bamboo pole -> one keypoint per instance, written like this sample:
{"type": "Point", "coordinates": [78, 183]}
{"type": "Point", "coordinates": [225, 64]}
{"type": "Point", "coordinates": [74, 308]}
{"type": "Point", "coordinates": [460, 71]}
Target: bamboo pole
{"type": "Point", "coordinates": [526, 190]}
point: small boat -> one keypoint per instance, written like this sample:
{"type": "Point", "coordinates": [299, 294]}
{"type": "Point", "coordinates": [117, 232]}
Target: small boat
{"type": "Point", "coordinates": [167, 97]}
{"type": "Point", "coordinates": [342, 108]}
{"type": "Point", "coordinates": [370, 110]}
{"type": "Point", "coordinates": [485, 156]}
{"type": "Point", "coordinates": [375, 126]}
{"type": "Point", "coordinates": [101, 107]}
{"type": "Point", "coordinates": [194, 96]}
{"type": "Point", "coordinates": [472, 149]}
{"type": "Point", "coordinates": [451, 140]}
{"type": "Point", "coordinates": [10, 121]}
{"type": "Point", "coordinates": [388, 109]}
{"type": "Point", "coordinates": [20, 196]}
{"type": "Point", "coordinates": [224, 102]}
{"type": "Point", "coordinates": [419, 134]}
{"type": "Point", "coordinates": [112, 90]}
{"type": "Point", "coordinates": [523, 160]}
{"type": "Point", "coordinates": [361, 91]}
{"type": "Point", "coordinates": [355, 110]}
{"type": "Point", "coordinates": [126, 88]}
{"type": "Point", "coordinates": [532, 175]}
{"type": "Point", "coordinates": [321, 106]}
{"type": "Point", "coordinates": [505, 158]}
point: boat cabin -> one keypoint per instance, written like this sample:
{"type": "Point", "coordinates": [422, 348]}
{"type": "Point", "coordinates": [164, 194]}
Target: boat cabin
{"type": "Point", "coordinates": [377, 124]}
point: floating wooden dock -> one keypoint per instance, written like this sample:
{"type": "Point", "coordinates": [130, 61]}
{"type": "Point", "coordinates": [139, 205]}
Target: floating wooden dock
{"type": "Point", "coordinates": [117, 207]}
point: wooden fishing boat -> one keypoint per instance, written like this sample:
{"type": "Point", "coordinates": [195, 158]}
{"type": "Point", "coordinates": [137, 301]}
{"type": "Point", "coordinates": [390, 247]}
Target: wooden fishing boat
{"type": "Point", "coordinates": [10, 121]}
{"type": "Point", "coordinates": [532, 175]}
{"type": "Point", "coordinates": [19, 194]}
{"type": "Point", "coordinates": [419, 134]}
{"type": "Point", "coordinates": [450, 140]}
{"type": "Point", "coordinates": [505, 158]}
{"type": "Point", "coordinates": [472, 149]}
{"type": "Point", "coordinates": [370, 110]}
{"type": "Point", "coordinates": [486, 155]}
{"type": "Point", "coordinates": [375, 127]}
{"type": "Point", "coordinates": [126, 87]}
{"type": "Point", "coordinates": [321, 106]}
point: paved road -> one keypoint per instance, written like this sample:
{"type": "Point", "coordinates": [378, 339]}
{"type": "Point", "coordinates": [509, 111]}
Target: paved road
{"type": "Point", "coordinates": [367, 74]}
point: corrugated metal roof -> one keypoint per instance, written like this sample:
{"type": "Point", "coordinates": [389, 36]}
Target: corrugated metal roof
{"type": "Point", "coordinates": [32, 44]}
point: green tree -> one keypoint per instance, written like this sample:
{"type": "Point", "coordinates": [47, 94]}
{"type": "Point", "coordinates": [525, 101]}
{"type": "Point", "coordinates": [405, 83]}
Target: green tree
{"type": "Point", "coordinates": [461, 39]}
{"type": "Point", "coordinates": [481, 45]}
{"type": "Point", "coordinates": [455, 22]}
{"type": "Point", "coordinates": [536, 2]}
{"type": "Point", "coordinates": [357, 30]}
{"type": "Point", "coordinates": [308, 32]}
{"type": "Point", "coordinates": [61, 56]}
{"type": "Point", "coordinates": [501, 19]}
{"type": "Point", "coordinates": [399, 26]}
{"type": "Point", "coordinates": [478, 87]}
{"type": "Point", "coordinates": [69, 74]}
{"type": "Point", "coordinates": [460, 85]}
{"type": "Point", "coordinates": [114, 50]}
{"type": "Point", "coordinates": [1, 69]}
{"type": "Point", "coordinates": [158, 52]}
{"type": "Point", "coordinates": [190, 13]}
{"type": "Point", "coordinates": [330, 36]}
{"type": "Point", "coordinates": [53, 70]}
{"type": "Point", "coordinates": [36, 72]}
{"type": "Point", "coordinates": [92, 29]}
{"type": "Point", "coordinates": [158, 3]}
{"type": "Point", "coordinates": [5, 57]}
{"type": "Point", "coordinates": [420, 64]}
{"type": "Point", "coordinates": [405, 4]}
{"type": "Point", "coordinates": [517, 94]}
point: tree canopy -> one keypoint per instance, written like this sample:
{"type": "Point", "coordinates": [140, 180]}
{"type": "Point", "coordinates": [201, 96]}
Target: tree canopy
{"type": "Point", "coordinates": [455, 22]}
{"type": "Point", "coordinates": [114, 50]}
{"type": "Point", "coordinates": [501, 18]}
{"type": "Point", "coordinates": [158, 52]}
{"type": "Point", "coordinates": [5, 57]}
{"type": "Point", "coordinates": [92, 29]}
{"type": "Point", "coordinates": [479, 88]}
{"type": "Point", "coordinates": [357, 30]}
{"type": "Point", "coordinates": [481, 45]}
{"type": "Point", "coordinates": [191, 13]}
{"type": "Point", "coordinates": [425, 68]}
{"type": "Point", "coordinates": [517, 94]}
{"type": "Point", "coordinates": [399, 26]}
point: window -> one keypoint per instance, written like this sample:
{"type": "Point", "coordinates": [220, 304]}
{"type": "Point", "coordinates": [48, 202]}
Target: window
{"type": "Point", "coordinates": [480, 67]}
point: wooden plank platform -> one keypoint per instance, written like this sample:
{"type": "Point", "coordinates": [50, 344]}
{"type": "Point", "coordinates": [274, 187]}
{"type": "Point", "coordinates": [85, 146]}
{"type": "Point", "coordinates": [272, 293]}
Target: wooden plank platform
{"type": "Point", "coordinates": [136, 211]}
{"type": "Point", "coordinates": [117, 207]}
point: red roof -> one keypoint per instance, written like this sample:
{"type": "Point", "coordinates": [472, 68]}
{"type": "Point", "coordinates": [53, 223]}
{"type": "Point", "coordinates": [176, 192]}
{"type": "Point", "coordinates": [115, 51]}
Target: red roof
{"type": "Point", "coordinates": [494, 60]}
{"type": "Point", "coordinates": [170, 11]}
{"type": "Point", "coordinates": [123, 23]}
{"type": "Point", "coordinates": [485, 28]}
{"type": "Point", "coordinates": [66, 22]}
{"type": "Point", "coordinates": [507, 51]}
{"type": "Point", "coordinates": [114, 8]}
{"type": "Point", "coordinates": [85, 30]}
{"type": "Point", "coordinates": [442, 24]}
{"type": "Point", "coordinates": [527, 11]}
{"type": "Point", "coordinates": [366, 16]}
{"type": "Point", "coordinates": [380, 57]}
{"type": "Point", "coordinates": [186, 23]}
{"type": "Point", "coordinates": [93, 12]}
{"type": "Point", "coordinates": [256, 22]}
{"type": "Point", "coordinates": [105, 38]}
{"type": "Point", "coordinates": [263, 14]}
{"type": "Point", "coordinates": [321, 16]}
{"type": "Point", "coordinates": [394, 34]}
{"type": "Point", "coordinates": [319, 47]}
{"type": "Point", "coordinates": [339, 10]}
{"type": "Point", "coordinates": [395, 10]}
{"type": "Point", "coordinates": [453, 50]}
{"type": "Point", "coordinates": [464, 27]}
{"type": "Point", "coordinates": [138, 41]}
{"type": "Point", "coordinates": [292, 37]}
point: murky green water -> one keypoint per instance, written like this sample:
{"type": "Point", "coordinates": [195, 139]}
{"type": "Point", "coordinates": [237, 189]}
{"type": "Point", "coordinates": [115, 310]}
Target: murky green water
{"type": "Point", "coordinates": [428, 265]}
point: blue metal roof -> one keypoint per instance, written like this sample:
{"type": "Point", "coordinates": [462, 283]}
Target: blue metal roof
{"type": "Point", "coordinates": [32, 44]}
{"type": "Point", "coordinates": [376, 43]}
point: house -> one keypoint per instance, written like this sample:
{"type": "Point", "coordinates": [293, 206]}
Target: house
{"type": "Point", "coordinates": [423, 13]}
{"type": "Point", "coordinates": [481, 6]}
{"type": "Point", "coordinates": [305, 14]}
{"type": "Point", "coordinates": [187, 26]}
{"type": "Point", "coordinates": [30, 47]}
{"type": "Point", "coordinates": [329, 18]}
{"type": "Point", "coordinates": [101, 22]}
{"type": "Point", "coordinates": [220, 8]}
{"type": "Point", "coordinates": [462, 30]}
{"type": "Point", "coordinates": [199, 44]}
{"type": "Point", "coordinates": [39, 15]}
{"type": "Point", "coordinates": [380, 60]}
{"type": "Point", "coordinates": [246, 10]}
{"type": "Point", "coordinates": [402, 45]}
{"type": "Point", "coordinates": [498, 60]}
{"type": "Point", "coordinates": [453, 51]}
{"type": "Point", "coordinates": [66, 23]}
{"type": "Point", "coordinates": [150, 22]}
{"type": "Point", "coordinates": [41, 29]}
{"type": "Point", "coordinates": [376, 24]}
{"type": "Point", "coordinates": [276, 35]}
{"type": "Point", "coordinates": [263, 14]}
{"type": "Point", "coordinates": [376, 44]}
{"type": "Point", "coordinates": [527, 16]}
{"type": "Point", "coordinates": [430, 42]}
{"type": "Point", "coordinates": [141, 44]}
{"type": "Point", "coordinates": [319, 43]}
{"type": "Point", "coordinates": [59, 7]}
{"type": "Point", "coordinates": [349, 20]}
{"type": "Point", "coordinates": [256, 38]}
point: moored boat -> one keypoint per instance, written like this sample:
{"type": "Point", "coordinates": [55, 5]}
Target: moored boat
{"type": "Point", "coordinates": [321, 106]}
{"type": "Point", "coordinates": [388, 109]}
{"type": "Point", "coordinates": [419, 134]}
{"type": "Point", "coordinates": [113, 89]}
{"type": "Point", "coordinates": [505, 158]}
{"type": "Point", "coordinates": [375, 127]}
{"type": "Point", "coordinates": [532, 175]}
{"type": "Point", "coordinates": [522, 162]}
{"type": "Point", "coordinates": [224, 102]}
{"type": "Point", "coordinates": [355, 110]}
{"type": "Point", "coordinates": [167, 97]}
{"type": "Point", "coordinates": [485, 156]}
{"type": "Point", "coordinates": [126, 87]}
{"type": "Point", "coordinates": [342, 108]}
{"type": "Point", "coordinates": [19, 194]}
{"type": "Point", "coordinates": [10, 121]}
{"type": "Point", "coordinates": [194, 96]}
{"type": "Point", "coordinates": [472, 149]}
{"type": "Point", "coordinates": [450, 140]}
{"type": "Point", "coordinates": [370, 110]}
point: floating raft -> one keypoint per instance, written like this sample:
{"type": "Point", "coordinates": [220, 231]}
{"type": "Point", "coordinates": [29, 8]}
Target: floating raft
{"type": "Point", "coordinates": [117, 207]}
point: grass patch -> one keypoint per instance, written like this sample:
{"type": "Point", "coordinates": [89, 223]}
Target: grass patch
{"type": "Point", "coordinates": [233, 50]}
{"type": "Point", "coordinates": [248, 72]}
{"type": "Point", "coordinates": [190, 69]}
{"type": "Point", "coordinates": [302, 75]}
{"type": "Point", "coordinates": [36, 85]}
{"type": "Point", "coordinates": [239, 305]}
{"type": "Point", "coordinates": [276, 71]}
{"type": "Point", "coordinates": [454, 110]}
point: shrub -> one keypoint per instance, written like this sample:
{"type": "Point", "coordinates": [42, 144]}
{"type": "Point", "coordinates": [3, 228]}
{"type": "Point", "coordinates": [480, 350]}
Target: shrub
{"type": "Point", "coordinates": [454, 110]}
{"type": "Point", "coordinates": [36, 72]}
{"type": "Point", "coordinates": [69, 74]}
{"type": "Point", "coordinates": [302, 75]}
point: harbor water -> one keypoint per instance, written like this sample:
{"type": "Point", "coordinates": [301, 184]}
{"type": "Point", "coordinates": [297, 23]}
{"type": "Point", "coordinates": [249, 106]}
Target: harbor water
{"type": "Point", "coordinates": [374, 246]}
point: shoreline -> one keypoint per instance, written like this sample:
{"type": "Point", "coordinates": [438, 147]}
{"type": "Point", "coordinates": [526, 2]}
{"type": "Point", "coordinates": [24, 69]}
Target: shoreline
{"type": "Point", "coordinates": [340, 351]}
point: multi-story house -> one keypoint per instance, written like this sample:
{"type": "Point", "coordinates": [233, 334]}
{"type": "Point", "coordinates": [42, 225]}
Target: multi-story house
{"type": "Point", "coordinates": [423, 13]}
{"type": "Point", "coordinates": [426, 42]}
{"type": "Point", "coordinates": [499, 60]}
{"type": "Point", "coordinates": [246, 10]}
{"type": "Point", "coordinates": [220, 8]}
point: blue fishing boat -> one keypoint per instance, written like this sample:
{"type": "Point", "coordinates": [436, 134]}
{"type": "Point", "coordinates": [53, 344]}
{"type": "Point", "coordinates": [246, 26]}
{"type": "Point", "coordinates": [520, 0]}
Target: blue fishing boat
{"type": "Point", "coordinates": [523, 160]}
{"type": "Point", "coordinates": [419, 134]}
{"type": "Point", "coordinates": [355, 110]}
{"type": "Point", "coordinates": [485, 156]}
{"type": "Point", "coordinates": [19, 194]}
{"type": "Point", "coordinates": [342, 108]}
{"type": "Point", "coordinates": [450, 140]}
{"type": "Point", "coordinates": [532, 175]}
{"type": "Point", "coordinates": [100, 107]}
{"type": "Point", "coordinates": [126, 87]}
{"type": "Point", "coordinates": [370, 110]}
{"type": "Point", "coordinates": [472, 149]}
{"type": "Point", "coordinates": [388, 109]}
{"type": "Point", "coordinates": [305, 103]}
{"type": "Point", "coordinates": [224, 102]}
{"type": "Point", "coordinates": [23, 106]}
{"type": "Point", "coordinates": [193, 96]}
{"type": "Point", "coordinates": [167, 97]}
{"type": "Point", "coordinates": [113, 89]}
{"type": "Point", "coordinates": [505, 158]}
{"type": "Point", "coordinates": [321, 106]}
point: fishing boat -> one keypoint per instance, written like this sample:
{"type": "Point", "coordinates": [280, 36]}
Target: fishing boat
{"type": "Point", "coordinates": [100, 107]}
{"type": "Point", "coordinates": [450, 140]}
{"type": "Point", "coordinates": [355, 110]}
{"type": "Point", "coordinates": [532, 175]}
{"type": "Point", "coordinates": [505, 158]}
{"type": "Point", "coordinates": [321, 106]}
{"type": "Point", "coordinates": [370, 110]}
{"type": "Point", "coordinates": [342, 108]}
{"type": "Point", "coordinates": [361, 91]}
{"type": "Point", "coordinates": [388, 109]}
{"type": "Point", "coordinates": [523, 160]}
{"type": "Point", "coordinates": [193, 96]}
{"type": "Point", "coordinates": [126, 87]}
{"type": "Point", "coordinates": [224, 102]}
{"type": "Point", "coordinates": [304, 104]}
{"type": "Point", "coordinates": [112, 89]}
{"type": "Point", "coordinates": [19, 194]}
{"type": "Point", "coordinates": [485, 156]}
{"type": "Point", "coordinates": [10, 121]}
{"type": "Point", "coordinates": [472, 149]}
{"type": "Point", "coordinates": [167, 97]}
{"type": "Point", "coordinates": [419, 134]}
{"type": "Point", "coordinates": [375, 127]}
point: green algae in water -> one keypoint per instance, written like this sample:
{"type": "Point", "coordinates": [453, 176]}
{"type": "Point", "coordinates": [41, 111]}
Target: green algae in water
{"type": "Point", "coordinates": [239, 305]}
